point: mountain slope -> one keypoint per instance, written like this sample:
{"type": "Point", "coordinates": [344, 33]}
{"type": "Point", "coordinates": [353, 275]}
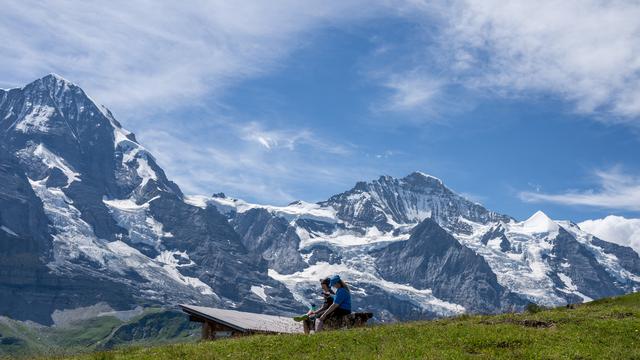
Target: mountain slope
{"type": "Point", "coordinates": [106, 331]}
{"type": "Point", "coordinates": [433, 259]}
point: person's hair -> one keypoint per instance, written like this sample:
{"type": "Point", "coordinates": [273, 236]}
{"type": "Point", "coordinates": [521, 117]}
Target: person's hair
{"type": "Point", "coordinates": [343, 284]}
{"type": "Point", "coordinates": [327, 282]}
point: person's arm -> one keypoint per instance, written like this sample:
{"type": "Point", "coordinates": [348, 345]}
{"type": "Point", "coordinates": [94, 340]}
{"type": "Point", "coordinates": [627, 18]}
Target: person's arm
{"type": "Point", "coordinates": [329, 311]}
{"type": "Point", "coordinates": [327, 303]}
{"type": "Point", "coordinates": [337, 301]}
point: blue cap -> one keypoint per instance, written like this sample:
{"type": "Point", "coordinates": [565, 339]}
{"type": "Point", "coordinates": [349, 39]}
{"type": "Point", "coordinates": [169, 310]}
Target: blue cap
{"type": "Point", "coordinates": [334, 280]}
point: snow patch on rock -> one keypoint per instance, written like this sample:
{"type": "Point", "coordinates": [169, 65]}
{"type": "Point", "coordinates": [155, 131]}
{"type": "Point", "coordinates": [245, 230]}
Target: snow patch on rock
{"type": "Point", "coordinates": [346, 238]}
{"type": "Point", "coordinates": [37, 120]}
{"type": "Point", "coordinates": [609, 261]}
{"type": "Point", "coordinates": [175, 258]}
{"type": "Point", "coordinates": [52, 160]}
{"type": "Point", "coordinates": [523, 269]}
{"type": "Point", "coordinates": [538, 223]}
{"type": "Point", "coordinates": [259, 291]}
{"type": "Point", "coordinates": [298, 283]}
{"type": "Point", "coordinates": [156, 271]}
{"type": "Point", "coordinates": [145, 171]}
{"type": "Point", "coordinates": [294, 211]}
{"type": "Point", "coordinates": [138, 221]}
{"type": "Point", "coordinates": [74, 237]}
{"type": "Point", "coordinates": [571, 288]}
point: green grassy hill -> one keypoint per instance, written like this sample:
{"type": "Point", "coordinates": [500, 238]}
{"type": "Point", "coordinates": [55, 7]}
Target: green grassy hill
{"type": "Point", "coordinates": [153, 327]}
{"type": "Point", "coordinates": [603, 329]}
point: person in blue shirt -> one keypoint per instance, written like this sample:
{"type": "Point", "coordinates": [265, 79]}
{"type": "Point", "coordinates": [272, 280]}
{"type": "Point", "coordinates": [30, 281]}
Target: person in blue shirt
{"type": "Point", "coordinates": [341, 302]}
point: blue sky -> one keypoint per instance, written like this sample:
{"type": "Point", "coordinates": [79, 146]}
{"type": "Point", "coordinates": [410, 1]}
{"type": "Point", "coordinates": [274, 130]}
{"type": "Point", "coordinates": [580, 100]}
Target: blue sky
{"type": "Point", "coordinates": [519, 107]}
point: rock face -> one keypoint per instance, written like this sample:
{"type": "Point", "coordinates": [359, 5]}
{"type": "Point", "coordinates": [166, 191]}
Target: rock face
{"type": "Point", "coordinates": [433, 259]}
{"type": "Point", "coordinates": [271, 236]}
{"type": "Point", "coordinates": [584, 270]}
{"type": "Point", "coordinates": [87, 216]}
{"type": "Point", "coordinates": [627, 258]}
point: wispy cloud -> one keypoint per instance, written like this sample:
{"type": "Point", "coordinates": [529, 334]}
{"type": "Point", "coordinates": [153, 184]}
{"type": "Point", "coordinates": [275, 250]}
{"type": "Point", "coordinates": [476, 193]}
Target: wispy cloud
{"type": "Point", "coordinates": [616, 190]}
{"type": "Point", "coordinates": [583, 51]}
{"type": "Point", "coordinates": [412, 91]}
{"type": "Point", "coordinates": [145, 55]}
{"type": "Point", "coordinates": [149, 54]}
{"type": "Point", "coordinates": [264, 165]}
{"type": "Point", "coordinates": [287, 138]}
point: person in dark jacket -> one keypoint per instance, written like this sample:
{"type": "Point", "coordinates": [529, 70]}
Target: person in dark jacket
{"type": "Point", "coordinates": [327, 294]}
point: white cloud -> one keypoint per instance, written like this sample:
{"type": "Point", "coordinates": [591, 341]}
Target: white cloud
{"type": "Point", "coordinates": [411, 91]}
{"type": "Point", "coordinates": [585, 51]}
{"type": "Point", "coordinates": [149, 54]}
{"type": "Point", "coordinates": [144, 55]}
{"type": "Point", "coordinates": [617, 191]}
{"type": "Point", "coordinates": [153, 56]}
{"type": "Point", "coordinates": [616, 229]}
{"type": "Point", "coordinates": [387, 154]}
{"type": "Point", "coordinates": [287, 138]}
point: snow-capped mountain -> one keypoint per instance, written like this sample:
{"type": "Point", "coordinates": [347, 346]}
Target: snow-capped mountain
{"type": "Point", "coordinates": [87, 216]}
{"type": "Point", "coordinates": [388, 202]}
{"type": "Point", "coordinates": [411, 237]}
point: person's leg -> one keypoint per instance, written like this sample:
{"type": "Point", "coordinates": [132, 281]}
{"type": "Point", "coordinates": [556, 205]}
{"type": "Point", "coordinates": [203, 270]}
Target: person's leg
{"type": "Point", "coordinates": [317, 325]}
{"type": "Point", "coordinates": [306, 326]}
{"type": "Point", "coordinates": [335, 320]}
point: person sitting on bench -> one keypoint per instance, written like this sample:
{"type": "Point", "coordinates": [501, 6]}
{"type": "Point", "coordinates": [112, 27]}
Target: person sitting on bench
{"type": "Point", "coordinates": [341, 302]}
{"type": "Point", "coordinates": [308, 320]}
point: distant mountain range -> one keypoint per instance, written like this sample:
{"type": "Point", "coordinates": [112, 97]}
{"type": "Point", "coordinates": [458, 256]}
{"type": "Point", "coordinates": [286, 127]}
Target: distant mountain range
{"type": "Point", "coordinates": [88, 217]}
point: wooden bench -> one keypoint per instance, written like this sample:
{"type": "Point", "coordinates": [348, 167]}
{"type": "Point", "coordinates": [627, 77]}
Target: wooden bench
{"type": "Point", "coordinates": [352, 320]}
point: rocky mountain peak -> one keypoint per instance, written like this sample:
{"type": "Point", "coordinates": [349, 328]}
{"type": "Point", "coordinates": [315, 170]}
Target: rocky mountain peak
{"type": "Point", "coordinates": [52, 107]}
{"type": "Point", "coordinates": [419, 178]}
{"type": "Point", "coordinates": [417, 181]}
{"type": "Point", "coordinates": [57, 88]}
{"type": "Point", "coordinates": [388, 202]}
{"type": "Point", "coordinates": [53, 78]}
